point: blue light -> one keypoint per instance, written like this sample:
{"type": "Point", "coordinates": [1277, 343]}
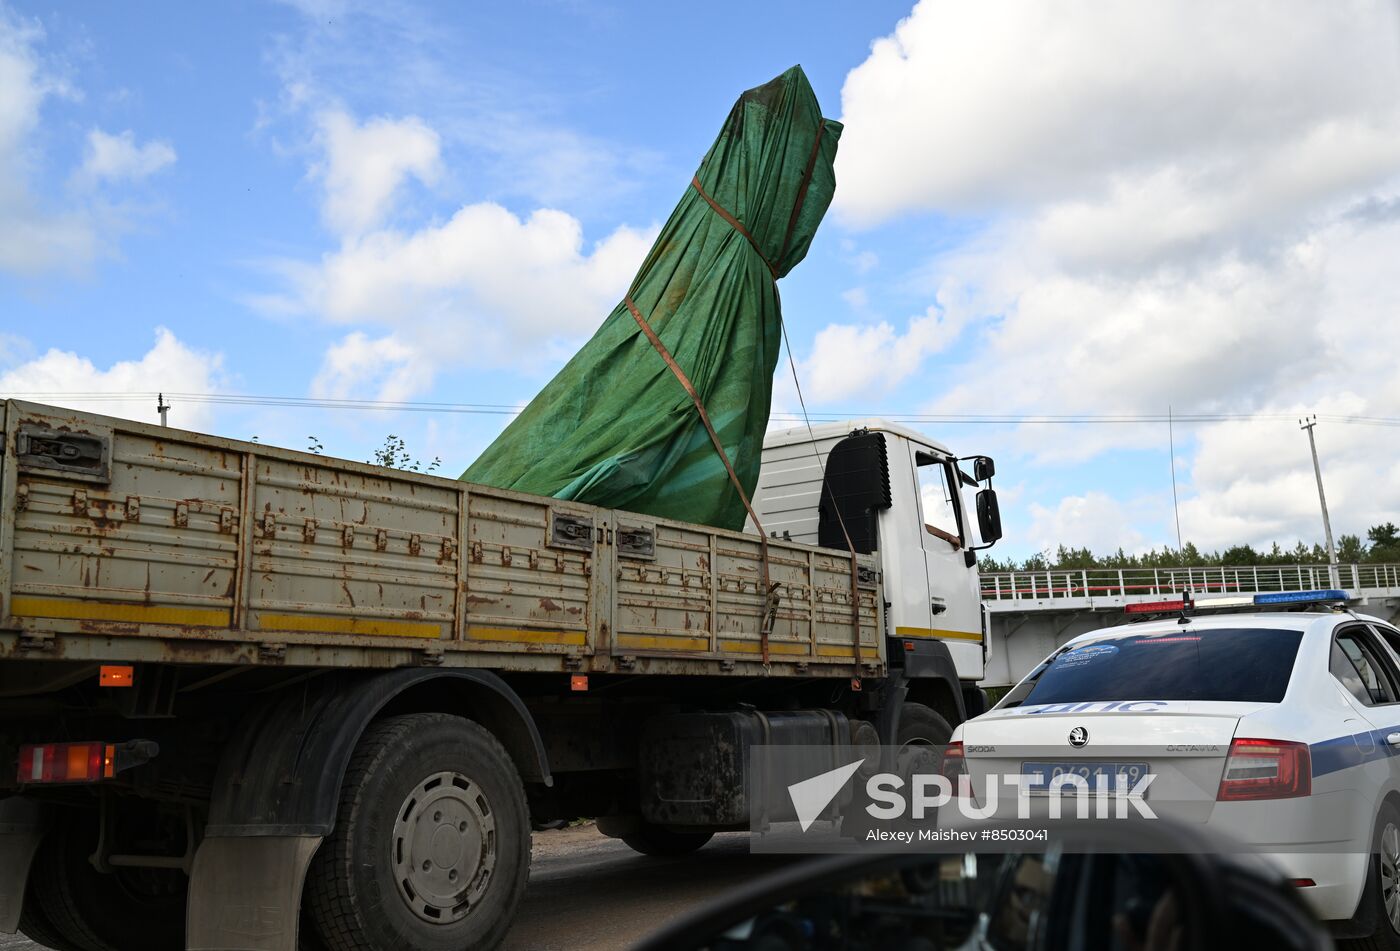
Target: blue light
{"type": "Point", "coordinates": [1301, 597]}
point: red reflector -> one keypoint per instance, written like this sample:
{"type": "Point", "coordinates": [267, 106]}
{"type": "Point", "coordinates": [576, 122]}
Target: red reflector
{"type": "Point", "coordinates": [1266, 769]}
{"type": "Point", "coordinates": [1301, 882]}
{"type": "Point", "coordinates": [116, 675]}
{"type": "Point", "coordinates": [65, 763]}
{"type": "Point", "coordinates": [578, 682]}
{"type": "Point", "coordinates": [1151, 607]}
{"type": "Point", "coordinates": [909, 646]}
{"type": "Point", "coordinates": [954, 764]}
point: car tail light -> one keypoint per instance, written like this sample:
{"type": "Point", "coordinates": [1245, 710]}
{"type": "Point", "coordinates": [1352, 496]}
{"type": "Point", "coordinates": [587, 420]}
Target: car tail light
{"type": "Point", "coordinates": [954, 765]}
{"type": "Point", "coordinates": [1266, 769]}
{"type": "Point", "coordinates": [66, 762]}
{"type": "Point", "coordinates": [88, 762]}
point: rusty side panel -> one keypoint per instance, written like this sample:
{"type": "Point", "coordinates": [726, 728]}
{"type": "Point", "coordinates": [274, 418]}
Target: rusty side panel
{"type": "Point", "coordinates": [157, 543]}
{"type": "Point", "coordinates": [350, 553]}
{"type": "Point", "coordinates": [195, 546]}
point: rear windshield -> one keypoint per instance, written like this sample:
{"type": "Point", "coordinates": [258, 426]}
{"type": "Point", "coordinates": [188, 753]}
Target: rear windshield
{"type": "Point", "coordinates": [1244, 664]}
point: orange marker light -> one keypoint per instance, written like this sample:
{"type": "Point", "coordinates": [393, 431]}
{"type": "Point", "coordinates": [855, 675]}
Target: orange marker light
{"type": "Point", "coordinates": [116, 675]}
{"type": "Point", "coordinates": [578, 682]}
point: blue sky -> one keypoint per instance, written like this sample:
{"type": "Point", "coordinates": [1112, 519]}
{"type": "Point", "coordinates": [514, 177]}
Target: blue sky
{"type": "Point", "coordinates": [1041, 210]}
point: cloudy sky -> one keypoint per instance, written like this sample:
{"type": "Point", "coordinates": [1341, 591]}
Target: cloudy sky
{"type": "Point", "coordinates": [1043, 208]}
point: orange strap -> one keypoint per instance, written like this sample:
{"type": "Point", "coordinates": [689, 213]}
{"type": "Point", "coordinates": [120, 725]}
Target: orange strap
{"type": "Point", "coordinates": [770, 602]}
{"type": "Point", "coordinates": [770, 609]}
{"type": "Point", "coordinates": [734, 223]}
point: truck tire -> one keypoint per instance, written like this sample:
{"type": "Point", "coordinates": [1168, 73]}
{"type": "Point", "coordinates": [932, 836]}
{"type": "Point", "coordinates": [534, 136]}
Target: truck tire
{"type": "Point", "coordinates": [35, 926]}
{"type": "Point", "coordinates": [663, 843]}
{"type": "Point", "coordinates": [431, 846]}
{"type": "Point", "coordinates": [919, 743]}
{"type": "Point", "coordinates": [132, 909]}
{"type": "Point", "coordinates": [921, 724]}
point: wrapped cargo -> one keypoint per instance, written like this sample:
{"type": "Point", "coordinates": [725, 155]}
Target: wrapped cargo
{"type": "Point", "coordinates": [683, 366]}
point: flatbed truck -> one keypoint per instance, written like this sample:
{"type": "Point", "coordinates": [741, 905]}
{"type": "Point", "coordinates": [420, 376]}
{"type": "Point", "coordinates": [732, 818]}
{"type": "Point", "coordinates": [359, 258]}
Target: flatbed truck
{"type": "Point", "coordinates": [256, 698]}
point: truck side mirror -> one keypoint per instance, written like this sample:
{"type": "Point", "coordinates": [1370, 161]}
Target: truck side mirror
{"type": "Point", "coordinates": [988, 516]}
{"type": "Point", "coordinates": [984, 468]}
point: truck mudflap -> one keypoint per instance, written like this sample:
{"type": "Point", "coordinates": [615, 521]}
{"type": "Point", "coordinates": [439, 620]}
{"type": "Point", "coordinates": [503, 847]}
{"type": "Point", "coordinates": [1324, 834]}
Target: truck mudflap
{"type": "Point", "coordinates": [278, 788]}
{"type": "Point", "coordinates": [249, 894]}
{"type": "Point", "coordinates": [21, 828]}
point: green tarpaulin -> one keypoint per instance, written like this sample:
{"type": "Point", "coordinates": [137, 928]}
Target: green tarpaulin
{"type": "Point", "coordinates": [615, 427]}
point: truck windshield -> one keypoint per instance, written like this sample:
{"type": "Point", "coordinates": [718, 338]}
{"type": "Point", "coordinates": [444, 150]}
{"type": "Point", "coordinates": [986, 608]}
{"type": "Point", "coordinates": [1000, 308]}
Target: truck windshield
{"type": "Point", "coordinates": [1240, 664]}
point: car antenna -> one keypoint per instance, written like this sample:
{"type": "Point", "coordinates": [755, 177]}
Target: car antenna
{"type": "Point", "coordinates": [1188, 605]}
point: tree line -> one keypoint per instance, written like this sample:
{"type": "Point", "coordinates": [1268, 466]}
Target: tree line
{"type": "Point", "coordinates": [1382, 544]}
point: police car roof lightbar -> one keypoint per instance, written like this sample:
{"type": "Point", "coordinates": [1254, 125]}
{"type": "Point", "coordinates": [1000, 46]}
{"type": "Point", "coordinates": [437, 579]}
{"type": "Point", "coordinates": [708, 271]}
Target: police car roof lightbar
{"type": "Point", "coordinates": [1227, 601]}
{"type": "Point", "coordinates": [1179, 603]}
{"type": "Point", "coordinates": [1301, 597]}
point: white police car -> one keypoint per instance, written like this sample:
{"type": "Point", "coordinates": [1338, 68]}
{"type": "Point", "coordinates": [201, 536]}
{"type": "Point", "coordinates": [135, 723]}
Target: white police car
{"type": "Point", "coordinates": [1279, 729]}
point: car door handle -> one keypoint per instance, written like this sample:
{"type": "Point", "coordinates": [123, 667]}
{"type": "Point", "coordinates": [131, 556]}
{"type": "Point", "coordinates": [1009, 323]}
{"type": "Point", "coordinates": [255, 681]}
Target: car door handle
{"type": "Point", "coordinates": [1393, 739]}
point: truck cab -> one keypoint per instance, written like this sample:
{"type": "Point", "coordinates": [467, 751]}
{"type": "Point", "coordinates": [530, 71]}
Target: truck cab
{"type": "Point", "coordinates": [880, 487]}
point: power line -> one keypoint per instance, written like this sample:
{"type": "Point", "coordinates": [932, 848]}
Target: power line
{"type": "Point", "coordinates": [505, 409]}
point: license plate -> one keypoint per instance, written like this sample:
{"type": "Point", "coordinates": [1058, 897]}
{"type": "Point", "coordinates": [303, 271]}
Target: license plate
{"type": "Point", "coordinates": [1116, 776]}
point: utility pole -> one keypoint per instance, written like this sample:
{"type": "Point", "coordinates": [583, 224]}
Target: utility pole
{"type": "Point", "coordinates": [163, 407]}
{"type": "Point", "coordinates": [1308, 423]}
{"type": "Point", "coordinates": [1176, 506]}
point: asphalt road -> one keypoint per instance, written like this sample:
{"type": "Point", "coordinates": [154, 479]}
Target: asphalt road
{"type": "Point", "coordinates": [591, 892]}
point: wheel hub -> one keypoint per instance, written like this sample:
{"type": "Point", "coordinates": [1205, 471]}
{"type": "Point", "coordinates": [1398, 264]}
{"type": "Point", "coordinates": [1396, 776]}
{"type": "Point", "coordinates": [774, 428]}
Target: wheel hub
{"type": "Point", "coordinates": [444, 847]}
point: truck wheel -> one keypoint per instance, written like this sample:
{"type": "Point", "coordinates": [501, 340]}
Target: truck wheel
{"type": "Point", "coordinates": [921, 736]}
{"type": "Point", "coordinates": [431, 846]}
{"type": "Point", "coordinates": [661, 842]}
{"type": "Point", "coordinates": [35, 926]}
{"type": "Point", "coordinates": [131, 909]}
{"type": "Point", "coordinates": [919, 743]}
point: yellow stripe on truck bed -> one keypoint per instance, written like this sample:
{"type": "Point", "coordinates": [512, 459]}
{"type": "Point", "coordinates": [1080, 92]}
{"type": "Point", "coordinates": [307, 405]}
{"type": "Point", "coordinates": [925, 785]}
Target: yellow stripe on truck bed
{"type": "Point", "coordinates": [75, 610]}
{"type": "Point", "coordinates": [510, 634]}
{"type": "Point", "coordinates": [374, 627]}
{"type": "Point", "coordinates": [935, 632]}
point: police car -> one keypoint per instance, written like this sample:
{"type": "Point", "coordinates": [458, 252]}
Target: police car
{"type": "Point", "coordinates": [1279, 729]}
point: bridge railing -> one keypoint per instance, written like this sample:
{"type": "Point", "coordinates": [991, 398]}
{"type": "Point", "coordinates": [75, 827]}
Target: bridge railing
{"type": "Point", "coordinates": [1229, 579]}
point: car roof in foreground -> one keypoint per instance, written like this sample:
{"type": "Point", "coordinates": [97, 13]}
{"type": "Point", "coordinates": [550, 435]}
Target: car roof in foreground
{"type": "Point", "coordinates": [1276, 620]}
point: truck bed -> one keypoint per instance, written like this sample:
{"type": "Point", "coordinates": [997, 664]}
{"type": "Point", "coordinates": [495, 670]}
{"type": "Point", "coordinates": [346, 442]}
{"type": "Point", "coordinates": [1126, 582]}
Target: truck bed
{"type": "Point", "coordinates": [127, 543]}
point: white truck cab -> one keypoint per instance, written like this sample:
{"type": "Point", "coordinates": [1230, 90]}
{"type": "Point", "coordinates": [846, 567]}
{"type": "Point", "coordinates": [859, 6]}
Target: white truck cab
{"type": "Point", "coordinates": [897, 492]}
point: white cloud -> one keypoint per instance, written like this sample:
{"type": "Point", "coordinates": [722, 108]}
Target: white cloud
{"type": "Point", "coordinates": [39, 235]}
{"type": "Point", "coordinates": [1093, 520]}
{"type": "Point", "coordinates": [1187, 205]}
{"type": "Point", "coordinates": [859, 359]}
{"type": "Point", "coordinates": [510, 131]}
{"type": "Point", "coordinates": [169, 366]}
{"type": "Point", "coordinates": [119, 158]}
{"type": "Point", "coordinates": [366, 164]}
{"type": "Point", "coordinates": [483, 287]}
{"type": "Point", "coordinates": [31, 239]}
{"type": "Point", "coordinates": [985, 106]}
{"type": "Point", "coordinates": [359, 361]}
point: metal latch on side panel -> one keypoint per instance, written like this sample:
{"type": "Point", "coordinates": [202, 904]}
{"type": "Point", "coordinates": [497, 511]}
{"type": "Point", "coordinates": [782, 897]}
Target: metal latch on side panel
{"type": "Point", "coordinates": [867, 577]}
{"type": "Point", "coordinates": [86, 456]}
{"type": "Point", "coordinates": [570, 531]}
{"type": "Point", "coordinates": [636, 541]}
